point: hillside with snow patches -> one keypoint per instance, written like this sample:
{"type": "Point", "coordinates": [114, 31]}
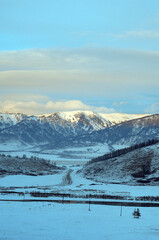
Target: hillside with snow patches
{"type": "Point", "coordinates": [127, 133]}
{"type": "Point", "coordinates": [10, 119]}
{"type": "Point", "coordinates": [137, 167]}
{"type": "Point", "coordinates": [32, 166]}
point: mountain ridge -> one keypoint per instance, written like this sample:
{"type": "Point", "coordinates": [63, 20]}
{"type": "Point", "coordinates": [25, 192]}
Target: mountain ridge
{"type": "Point", "coordinates": [76, 128]}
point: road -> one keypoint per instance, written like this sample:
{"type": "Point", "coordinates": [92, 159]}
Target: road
{"type": "Point", "coordinates": [67, 180]}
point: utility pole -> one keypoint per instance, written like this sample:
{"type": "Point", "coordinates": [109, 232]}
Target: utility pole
{"type": "Point", "coordinates": [89, 209]}
{"type": "Point", "coordinates": [121, 211]}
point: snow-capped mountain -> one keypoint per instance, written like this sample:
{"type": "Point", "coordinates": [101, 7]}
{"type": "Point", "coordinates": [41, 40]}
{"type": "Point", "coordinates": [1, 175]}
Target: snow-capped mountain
{"type": "Point", "coordinates": [78, 128]}
{"type": "Point", "coordinates": [10, 119]}
{"type": "Point", "coordinates": [137, 167]}
{"type": "Point", "coordinates": [49, 129]}
{"type": "Point", "coordinates": [128, 133]}
{"type": "Point", "coordinates": [75, 123]}
{"type": "Point", "coordinates": [116, 118]}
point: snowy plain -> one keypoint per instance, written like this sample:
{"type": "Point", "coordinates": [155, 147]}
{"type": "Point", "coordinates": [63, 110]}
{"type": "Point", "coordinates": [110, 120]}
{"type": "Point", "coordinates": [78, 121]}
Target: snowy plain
{"type": "Point", "coordinates": [79, 155]}
{"type": "Point", "coordinates": [51, 221]}
{"type": "Point", "coordinates": [56, 221]}
{"type": "Point", "coordinates": [79, 185]}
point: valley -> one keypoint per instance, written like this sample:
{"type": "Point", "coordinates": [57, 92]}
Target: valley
{"type": "Point", "coordinates": [71, 165]}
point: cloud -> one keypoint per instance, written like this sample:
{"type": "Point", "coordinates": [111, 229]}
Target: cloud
{"type": "Point", "coordinates": [35, 107]}
{"type": "Point", "coordinates": [23, 97]}
{"type": "Point", "coordinates": [87, 59]}
{"type": "Point", "coordinates": [79, 72]}
{"type": "Point", "coordinates": [120, 103]}
{"type": "Point", "coordinates": [35, 80]}
{"type": "Point", "coordinates": [146, 34]}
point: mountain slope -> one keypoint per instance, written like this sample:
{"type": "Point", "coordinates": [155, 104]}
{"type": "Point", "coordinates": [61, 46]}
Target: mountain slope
{"type": "Point", "coordinates": [75, 123]}
{"type": "Point", "coordinates": [128, 133]}
{"type": "Point", "coordinates": [10, 119]}
{"type": "Point", "coordinates": [27, 166]}
{"type": "Point", "coordinates": [116, 118]}
{"type": "Point", "coordinates": [138, 167]}
{"type": "Point", "coordinates": [55, 130]}
{"type": "Point", "coordinates": [69, 129]}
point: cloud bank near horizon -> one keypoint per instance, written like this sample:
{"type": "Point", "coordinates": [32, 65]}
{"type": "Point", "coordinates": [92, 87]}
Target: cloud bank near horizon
{"type": "Point", "coordinates": [36, 107]}
{"type": "Point", "coordinates": [120, 76]}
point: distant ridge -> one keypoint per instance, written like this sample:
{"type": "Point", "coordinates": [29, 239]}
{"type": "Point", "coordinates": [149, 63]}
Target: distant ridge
{"type": "Point", "coordinates": [76, 128]}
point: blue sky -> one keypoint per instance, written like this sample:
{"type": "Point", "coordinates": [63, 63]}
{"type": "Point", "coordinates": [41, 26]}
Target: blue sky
{"type": "Point", "coordinates": [90, 55]}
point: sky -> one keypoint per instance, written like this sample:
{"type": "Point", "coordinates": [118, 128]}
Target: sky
{"type": "Point", "coordinates": [99, 55]}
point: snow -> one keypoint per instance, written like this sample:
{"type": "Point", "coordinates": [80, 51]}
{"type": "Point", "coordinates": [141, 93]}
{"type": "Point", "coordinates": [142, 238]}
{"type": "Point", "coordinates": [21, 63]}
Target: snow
{"type": "Point", "coordinates": [39, 221]}
{"type": "Point", "coordinates": [120, 146]}
{"type": "Point", "coordinates": [9, 118]}
{"type": "Point", "coordinates": [121, 117]}
{"type": "Point", "coordinates": [112, 117]}
{"type": "Point", "coordinates": [34, 118]}
{"type": "Point", "coordinates": [74, 116]}
{"type": "Point", "coordinates": [23, 181]}
{"type": "Point", "coordinates": [70, 115]}
{"type": "Point", "coordinates": [79, 184]}
{"type": "Point", "coordinates": [122, 169]}
{"type": "Point", "coordinates": [48, 220]}
{"type": "Point", "coordinates": [13, 146]}
{"type": "Point", "coordinates": [78, 155]}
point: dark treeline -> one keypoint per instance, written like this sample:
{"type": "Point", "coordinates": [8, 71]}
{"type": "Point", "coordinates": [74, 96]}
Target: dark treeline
{"type": "Point", "coordinates": [123, 151]}
{"type": "Point", "coordinates": [91, 196]}
{"type": "Point", "coordinates": [85, 196]}
{"type": "Point", "coordinates": [88, 196]}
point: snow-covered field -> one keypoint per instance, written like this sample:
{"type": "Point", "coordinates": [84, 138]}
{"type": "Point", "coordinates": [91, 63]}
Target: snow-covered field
{"type": "Point", "coordinates": [79, 155]}
{"type": "Point", "coordinates": [51, 221]}
{"type": "Point", "coordinates": [56, 221]}
{"type": "Point", "coordinates": [79, 185]}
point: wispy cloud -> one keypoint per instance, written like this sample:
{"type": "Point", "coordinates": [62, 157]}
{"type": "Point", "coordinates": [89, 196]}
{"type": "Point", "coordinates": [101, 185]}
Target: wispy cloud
{"type": "Point", "coordinates": [120, 103]}
{"type": "Point", "coordinates": [74, 59]}
{"type": "Point", "coordinates": [145, 34]}
{"type": "Point", "coordinates": [133, 34]}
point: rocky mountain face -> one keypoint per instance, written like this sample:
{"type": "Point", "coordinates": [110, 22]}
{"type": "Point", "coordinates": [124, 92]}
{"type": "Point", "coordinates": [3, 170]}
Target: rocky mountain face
{"type": "Point", "coordinates": [129, 132]}
{"type": "Point", "coordinates": [56, 129]}
{"type": "Point", "coordinates": [68, 129]}
{"type": "Point", "coordinates": [53, 130]}
{"type": "Point", "coordinates": [10, 119]}
{"type": "Point", "coordinates": [75, 123]}
{"type": "Point", "coordinates": [138, 167]}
